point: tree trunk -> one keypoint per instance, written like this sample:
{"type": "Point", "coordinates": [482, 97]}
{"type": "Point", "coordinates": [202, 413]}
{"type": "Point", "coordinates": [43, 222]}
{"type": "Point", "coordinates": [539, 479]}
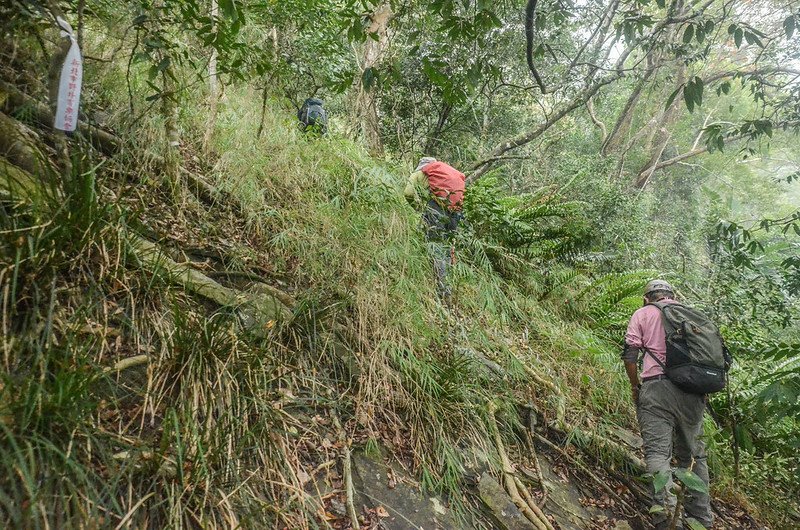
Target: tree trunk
{"type": "Point", "coordinates": [660, 135]}
{"type": "Point", "coordinates": [623, 122]}
{"type": "Point", "coordinates": [213, 83]}
{"type": "Point", "coordinates": [366, 99]}
{"type": "Point", "coordinates": [599, 124]}
{"type": "Point", "coordinates": [12, 100]}
{"type": "Point", "coordinates": [169, 113]}
{"type": "Point", "coordinates": [434, 137]}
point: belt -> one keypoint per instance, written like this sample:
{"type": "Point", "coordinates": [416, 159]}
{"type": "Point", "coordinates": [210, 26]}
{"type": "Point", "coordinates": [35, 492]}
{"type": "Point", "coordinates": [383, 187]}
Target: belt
{"type": "Point", "coordinates": [654, 378]}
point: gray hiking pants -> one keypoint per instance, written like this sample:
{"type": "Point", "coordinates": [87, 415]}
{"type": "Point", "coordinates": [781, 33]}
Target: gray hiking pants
{"type": "Point", "coordinates": [671, 422]}
{"type": "Point", "coordinates": [440, 228]}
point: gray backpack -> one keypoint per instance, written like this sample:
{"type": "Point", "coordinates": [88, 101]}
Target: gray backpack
{"type": "Point", "coordinates": [697, 359]}
{"type": "Point", "coordinates": [312, 116]}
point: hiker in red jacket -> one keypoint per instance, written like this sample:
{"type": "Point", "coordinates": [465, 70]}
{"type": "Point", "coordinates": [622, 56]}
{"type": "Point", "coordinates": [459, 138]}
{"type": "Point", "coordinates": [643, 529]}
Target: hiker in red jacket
{"type": "Point", "coordinates": [438, 189]}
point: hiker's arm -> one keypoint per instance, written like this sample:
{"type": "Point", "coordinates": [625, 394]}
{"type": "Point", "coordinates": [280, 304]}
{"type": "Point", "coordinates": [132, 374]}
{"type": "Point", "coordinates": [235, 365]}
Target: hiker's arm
{"type": "Point", "coordinates": [633, 376]}
{"type": "Point", "coordinates": [412, 184]}
{"type": "Point", "coordinates": [630, 355]}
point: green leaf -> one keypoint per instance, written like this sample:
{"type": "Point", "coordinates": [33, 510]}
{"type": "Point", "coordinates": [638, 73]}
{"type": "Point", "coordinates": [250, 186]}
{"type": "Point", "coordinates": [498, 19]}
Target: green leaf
{"type": "Point", "coordinates": [436, 76]}
{"type": "Point", "coordinates": [698, 91]}
{"type": "Point", "coordinates": [737, 37]}
{"type": "Point", "coordinates": [725, 87]}
{"type": "Point", "coordinates": [164, 64]}
{"type": "Point", "coordinates": [656, 508]}
{"type": "Point", "coordinates": [694, 524]}
{"type": "Point", "coordinates": [228, 8]}
{"type": "Point", "coordinates": [692, 481]}
{"type": "Point", "coordinates": [661, 3]}
{"type": "Point", "coordinates": [752, 38]}
{"type": "Point", "coordinates": [660, 480]}
{"type": "Point", "coordinates": [788, 26]}
{"type": "Point", "coordinates": [700, 34]}
{"type": "Point", "coordinates": [688, 34]}
{"type": "Point", "coordinates": [368, 78]}
{"type": "Point", "coordinates": [688, 96]}
{"type": "Point", "coordinates": [672, 96]}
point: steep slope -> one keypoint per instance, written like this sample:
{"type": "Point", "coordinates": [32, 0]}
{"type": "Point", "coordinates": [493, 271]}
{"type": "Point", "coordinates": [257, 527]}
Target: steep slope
{"type": "Point", "coordinates": [231, 350]}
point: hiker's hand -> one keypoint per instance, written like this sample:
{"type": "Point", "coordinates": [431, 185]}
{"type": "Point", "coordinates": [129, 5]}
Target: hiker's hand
{"type": "Point", "coordinates": [635, 394]}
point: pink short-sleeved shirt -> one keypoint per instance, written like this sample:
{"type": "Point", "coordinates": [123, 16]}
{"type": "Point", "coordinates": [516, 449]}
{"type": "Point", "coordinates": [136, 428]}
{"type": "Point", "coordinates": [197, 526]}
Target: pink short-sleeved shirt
{"type": "Point", "coordinates": [645, 331]}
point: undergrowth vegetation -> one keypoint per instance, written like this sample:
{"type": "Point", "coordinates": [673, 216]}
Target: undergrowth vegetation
{"type": "Point", "coordinates": [128, 399]}
{"type": "Point", "coordinates": [211, 430]}
{"type": "Point", "coordinates": [223, 424]}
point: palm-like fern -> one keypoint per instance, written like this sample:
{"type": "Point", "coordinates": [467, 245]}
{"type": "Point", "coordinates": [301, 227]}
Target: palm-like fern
{"type": "Point", "coordinates": [609, 300]}
{"type": "Point", "coordinates": [535, 225]}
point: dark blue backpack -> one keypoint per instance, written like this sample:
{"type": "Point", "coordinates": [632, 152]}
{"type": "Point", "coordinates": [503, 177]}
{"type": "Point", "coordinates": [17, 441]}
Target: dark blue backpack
{"type": "Point", "coordinates": [312, 116]}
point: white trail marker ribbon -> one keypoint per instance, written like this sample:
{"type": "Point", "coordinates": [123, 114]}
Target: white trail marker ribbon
{"type": "Point", "coordinates": [69, 87]}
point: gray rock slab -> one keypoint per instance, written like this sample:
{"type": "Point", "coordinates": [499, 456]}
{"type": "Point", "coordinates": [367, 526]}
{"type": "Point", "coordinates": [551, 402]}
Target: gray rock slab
{"type": "Point", "coordinates": [564, 501]}
{"type": "Point", "coordinates": [626, 436]}
{"type": "Point", "coordinates": [408, 508]}
{"type": "Point", "coordinates": [505, 514]}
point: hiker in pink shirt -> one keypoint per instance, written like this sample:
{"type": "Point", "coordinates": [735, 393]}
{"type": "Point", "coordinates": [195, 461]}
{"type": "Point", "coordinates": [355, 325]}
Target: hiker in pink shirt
{"type": "Point", "coordinates": [670, 419]}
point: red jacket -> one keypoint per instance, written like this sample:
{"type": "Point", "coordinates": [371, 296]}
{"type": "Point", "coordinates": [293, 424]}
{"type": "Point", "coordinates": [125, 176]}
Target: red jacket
{"type": "Point", "coordinates": [447, 183]}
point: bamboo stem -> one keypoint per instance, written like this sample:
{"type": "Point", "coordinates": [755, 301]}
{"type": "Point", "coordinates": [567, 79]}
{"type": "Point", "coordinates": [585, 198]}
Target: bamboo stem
{"type": "Point", "coordinates": [511, 482]}
{"type": "Point", "coordinates": [348, 473]}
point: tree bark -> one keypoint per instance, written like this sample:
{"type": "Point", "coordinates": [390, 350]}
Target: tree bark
{"type": "Point", "coordinates": [661, 134]}
{"type": "Point", "coordinates": [599, 124]}
{"type": "Point", "coordinates": [169, 112]}
{"type": "Point", "coordinates": [18, 145]}
{"type": "Point", "coordinates": [213, 84]}
{"type": "Point", "coordinates": [434, 137]}
{"type": "Point", "coordinates": [623, 122]}
{"type": "Point", "coordinates": [366, 98]}
{"type": "Point", "coordinates": [642, 178]}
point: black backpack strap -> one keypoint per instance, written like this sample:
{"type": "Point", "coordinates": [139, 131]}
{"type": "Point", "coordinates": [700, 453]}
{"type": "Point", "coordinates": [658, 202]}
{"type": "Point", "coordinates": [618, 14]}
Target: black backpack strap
{"type": "Point", "coordinates": [653, 355]}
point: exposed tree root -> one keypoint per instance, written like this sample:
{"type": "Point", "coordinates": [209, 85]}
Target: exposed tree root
{"type": "Point", "coordinates": [130, 362]}
{"type": "Point", "coordinates": [18, 145]}
{"type": "Point", "coordinates": [580, 465]}
{"type": "Point", "coordinates": [19, 184]}
{"type": "Point", "coordinates": [347, 471]}
{"type": "Point", "coordinates": [257, 311]}
{"type": "Point", "coordinates": [516, 489]}
{"type": "Point", "coordinates": [561, 425]}
{"type": "Point", "coordinates": [12, 100]}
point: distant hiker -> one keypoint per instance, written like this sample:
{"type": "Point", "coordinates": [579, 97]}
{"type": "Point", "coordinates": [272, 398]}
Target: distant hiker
{"type": "Point", "coordinates": [438, 190]}
{"type": "Point", "coordinates": [683, 359]}
{"type": "Point", "coordinates": [312, 116]}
